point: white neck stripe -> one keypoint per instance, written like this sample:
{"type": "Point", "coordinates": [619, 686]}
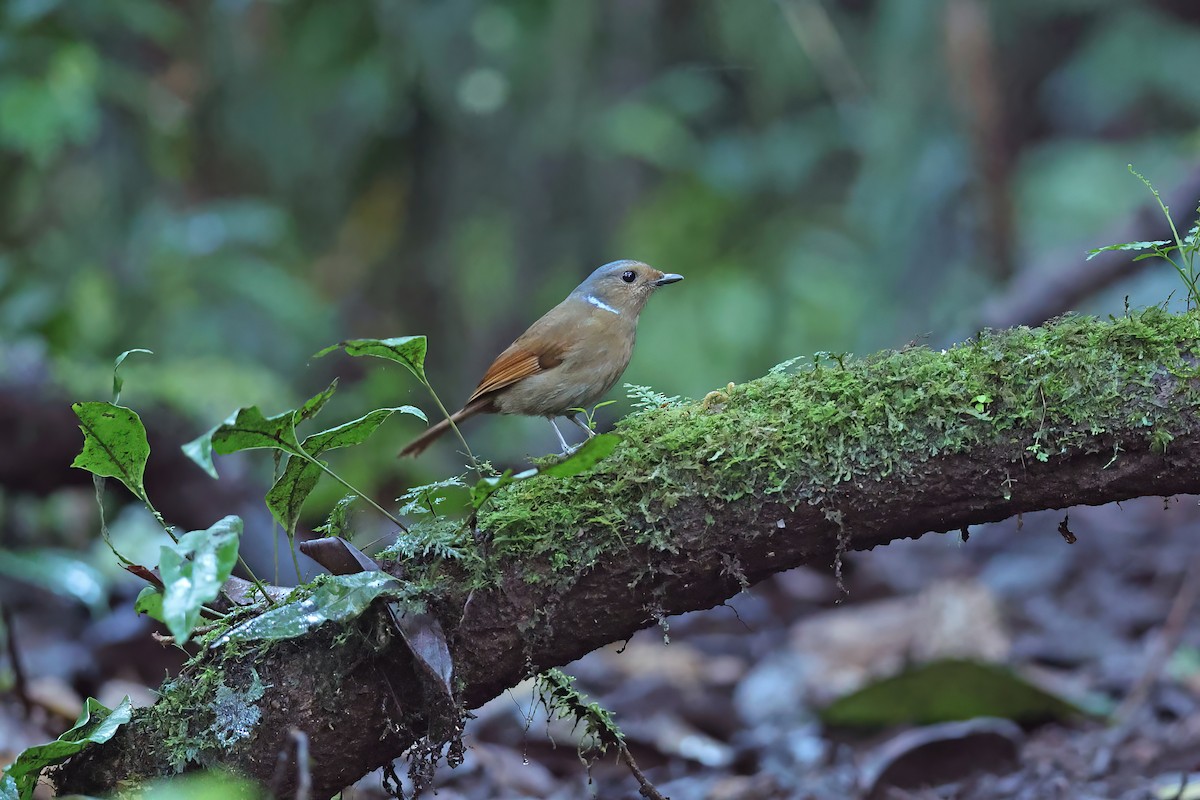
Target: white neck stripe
{"type": "Point", "coordinates": [598, 303]}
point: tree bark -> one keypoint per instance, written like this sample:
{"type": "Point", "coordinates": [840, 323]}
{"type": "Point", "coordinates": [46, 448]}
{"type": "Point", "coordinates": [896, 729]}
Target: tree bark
{"type": "Point", "coordinates": [700, 501]}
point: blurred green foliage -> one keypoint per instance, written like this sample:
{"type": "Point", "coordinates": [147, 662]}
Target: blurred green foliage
{"type": "Point", "coordinates": [236, 184]}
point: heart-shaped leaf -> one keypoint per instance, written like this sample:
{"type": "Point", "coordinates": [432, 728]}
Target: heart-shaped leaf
{"type": "Point", "coordinates": [246, 429]}
{"type": "Point", "coordinates": [114, 444]}
{"type": "Point", "coordinates": [193, 570]}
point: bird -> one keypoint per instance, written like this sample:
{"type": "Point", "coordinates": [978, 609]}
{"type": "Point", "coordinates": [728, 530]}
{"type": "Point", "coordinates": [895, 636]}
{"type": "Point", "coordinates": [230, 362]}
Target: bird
{"type": "Point", "coordinates": [569, 358]}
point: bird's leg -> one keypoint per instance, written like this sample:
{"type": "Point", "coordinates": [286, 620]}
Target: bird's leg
{"type": "Point", "coordinates": [566, 448]}
{"type": "Point", "coordinates": [575, 418]}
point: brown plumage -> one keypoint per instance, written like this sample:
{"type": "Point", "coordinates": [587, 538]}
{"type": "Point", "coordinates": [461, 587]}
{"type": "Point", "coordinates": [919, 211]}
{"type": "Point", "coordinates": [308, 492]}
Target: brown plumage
{"type": "Point", "coordinates": [567, 359]}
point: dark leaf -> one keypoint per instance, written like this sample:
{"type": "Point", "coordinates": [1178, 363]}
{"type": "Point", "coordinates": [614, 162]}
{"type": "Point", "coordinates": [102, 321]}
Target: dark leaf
{"type": "Point", "coordinates": [425, 639]}
{"type": "Point", "coordinates": [145, 574]}
{"type": "Point", "coordinates": [338, 556]}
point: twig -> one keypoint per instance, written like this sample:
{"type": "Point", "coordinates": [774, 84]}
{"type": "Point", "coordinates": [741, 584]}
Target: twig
{"type": "Point", "coordinates": [10, 642]}
{"type": "Point", "coordinates": [1168, 641]}
{"type": "Point", "coordinates": [647, 788]}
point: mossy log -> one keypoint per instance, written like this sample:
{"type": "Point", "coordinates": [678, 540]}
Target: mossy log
{"type": "Point", "coordinates": [700, 501]}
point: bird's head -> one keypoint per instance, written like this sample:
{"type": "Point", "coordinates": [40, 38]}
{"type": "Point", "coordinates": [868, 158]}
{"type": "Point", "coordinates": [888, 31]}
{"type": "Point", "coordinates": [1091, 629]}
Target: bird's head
{"type": "Point", "coordinates": [622, 287]}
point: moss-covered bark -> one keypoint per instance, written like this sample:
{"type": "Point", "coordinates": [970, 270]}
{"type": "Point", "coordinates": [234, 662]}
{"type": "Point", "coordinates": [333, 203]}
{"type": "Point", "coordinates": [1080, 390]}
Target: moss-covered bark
{"type": "Point", "coordinates": [705, 498]}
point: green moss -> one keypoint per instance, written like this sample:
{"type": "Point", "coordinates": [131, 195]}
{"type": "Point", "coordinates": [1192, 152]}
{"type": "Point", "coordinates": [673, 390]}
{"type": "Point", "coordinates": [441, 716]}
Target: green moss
{"type": "Point", "coordinates": [182, 720]}
{"type": "Point", "coordinates": [789, 438]}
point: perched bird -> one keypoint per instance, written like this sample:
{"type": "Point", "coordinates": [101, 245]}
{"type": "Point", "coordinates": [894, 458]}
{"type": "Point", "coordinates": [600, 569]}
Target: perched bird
{"type": "Point", "coordinates": [569, 358]}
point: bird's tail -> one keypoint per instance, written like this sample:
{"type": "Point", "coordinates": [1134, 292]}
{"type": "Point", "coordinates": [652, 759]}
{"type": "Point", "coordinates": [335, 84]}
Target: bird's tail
{"type": "Point", "coordinates": [418, 445]}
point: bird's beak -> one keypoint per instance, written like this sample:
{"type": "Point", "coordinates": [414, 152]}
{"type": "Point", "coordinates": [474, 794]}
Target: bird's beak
{"type": "Point", "coordinates": [670, 277]}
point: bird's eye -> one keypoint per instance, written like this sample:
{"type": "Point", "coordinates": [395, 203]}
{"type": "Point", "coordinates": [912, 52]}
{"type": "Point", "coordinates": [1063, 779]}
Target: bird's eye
{"type": "Point", "coordinates": [629, 276]}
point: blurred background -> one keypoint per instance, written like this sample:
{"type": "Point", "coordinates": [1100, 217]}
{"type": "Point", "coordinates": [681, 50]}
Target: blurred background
{"type": "Point", "coordinates": [236, 184]}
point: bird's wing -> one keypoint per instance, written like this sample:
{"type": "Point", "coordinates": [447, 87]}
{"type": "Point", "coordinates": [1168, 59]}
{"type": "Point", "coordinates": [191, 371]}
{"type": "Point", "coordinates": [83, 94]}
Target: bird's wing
{"type": "Point", "coordinates": [515, 364]}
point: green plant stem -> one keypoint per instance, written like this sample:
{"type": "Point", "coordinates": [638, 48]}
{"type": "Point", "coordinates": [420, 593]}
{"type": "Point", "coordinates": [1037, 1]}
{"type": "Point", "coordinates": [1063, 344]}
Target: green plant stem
{"type": "Point", "coordinates": [1186, 277]}
{"type": "Point", "coordinates": [295, 559]}
{"type": "Point", "coordinates": [454, 427]}
{"type": "Point", "coordinates": [168, 529]}
{"type": "Point", "coordinates": [391, 517]}
{"type": "Point", "coordinates": [258, 584]}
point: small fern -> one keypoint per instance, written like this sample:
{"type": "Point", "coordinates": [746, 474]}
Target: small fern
{"type": "Point", "coordinates": [644, 397]}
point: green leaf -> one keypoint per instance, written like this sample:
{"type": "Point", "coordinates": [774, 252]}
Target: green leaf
{"type": "Point", "coordinates": [193, 571]}
{"type": "Point", "coordinates": [114, 444]}
{"type": "Point", "coordinates": [590, 453]}
{"type": "Point", "coordinates": [408, 351]}
{"type": "Point", "coordinates": [199, 450]}
{"type": "Point", "coordinates": [945, 690]}
{"type": "Point", "coordinates": [118, 381]}
{"type": "Point", "coordinates": [58, 571]}
{"type": "Point", "coordinates": [246, 429]}
{"type": "Point", "coordinates": [355, 431]}
{"type": "Point", "coordinates": [149, 602]}
{"type": "Point", "coordinates": [313, 405]}
{"type": "Point", "coordinates": [286, 497]}
{"type": "Point", "coordinates": [337, 598]}
{"type": "Point", "coordinates": [300, 476]}
{"type": "Point", "coordinates": [486, 487]}
{"type": "Point", "coordinates": [1128, 246]}
{"type": "Point", "coordinates": [96, 725]}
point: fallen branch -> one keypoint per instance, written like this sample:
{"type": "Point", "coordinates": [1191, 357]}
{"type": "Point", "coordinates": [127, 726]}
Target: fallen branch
{"type": "Point", "coordinates": [699, 502]}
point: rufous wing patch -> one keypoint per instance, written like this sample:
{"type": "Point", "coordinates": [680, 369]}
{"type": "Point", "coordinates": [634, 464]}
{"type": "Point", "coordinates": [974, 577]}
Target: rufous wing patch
{"type": "Point", "coordinates": [515, 364]}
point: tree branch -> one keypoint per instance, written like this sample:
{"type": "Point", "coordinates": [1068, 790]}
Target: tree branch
{"type": "Point", "coordinates": [701, 501]}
